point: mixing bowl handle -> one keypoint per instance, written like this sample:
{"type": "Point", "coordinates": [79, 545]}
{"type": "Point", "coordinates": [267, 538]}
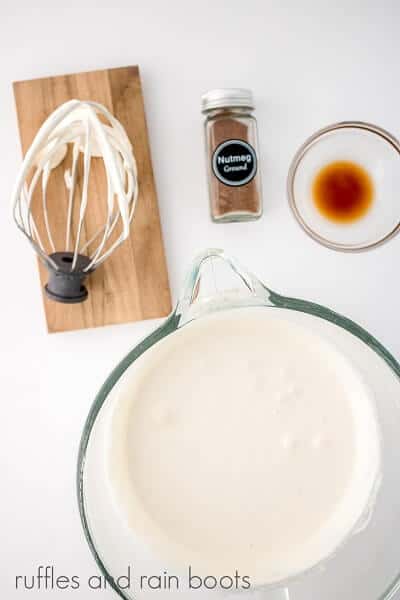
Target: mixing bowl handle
{"type": "Point", "coordinates": [256, 293]}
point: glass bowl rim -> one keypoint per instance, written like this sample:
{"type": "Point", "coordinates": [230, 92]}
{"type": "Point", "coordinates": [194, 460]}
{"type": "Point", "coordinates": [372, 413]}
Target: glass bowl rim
{"type": "Point", "coordinates": [294, 165]}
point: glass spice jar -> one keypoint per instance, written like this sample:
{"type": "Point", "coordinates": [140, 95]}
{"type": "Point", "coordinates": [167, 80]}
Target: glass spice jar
{"type": "Point", "coordinates": [232, 155]}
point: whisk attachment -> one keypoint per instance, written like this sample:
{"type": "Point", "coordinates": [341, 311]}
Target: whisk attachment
{"type": "Point", "coordinates": [73, 135]}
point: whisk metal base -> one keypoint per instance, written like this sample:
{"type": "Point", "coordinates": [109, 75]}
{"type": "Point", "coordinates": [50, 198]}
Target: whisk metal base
{"type": "Point", "coordinates": [66, 285]}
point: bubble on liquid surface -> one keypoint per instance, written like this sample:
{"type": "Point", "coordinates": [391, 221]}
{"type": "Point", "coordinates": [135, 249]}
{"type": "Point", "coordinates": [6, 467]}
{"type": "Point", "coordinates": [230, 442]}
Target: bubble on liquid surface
{"type": "Point", "coordinates": [163, 414]}
{"type": "Point", "coordinates": [288, 441]}
{"type": "Point", "coordinates": [319, 440]}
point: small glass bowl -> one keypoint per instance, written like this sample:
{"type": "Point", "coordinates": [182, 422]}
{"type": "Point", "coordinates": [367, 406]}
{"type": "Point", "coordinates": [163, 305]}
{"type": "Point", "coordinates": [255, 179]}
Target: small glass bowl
{"type": "Point", "coordinates": [374, 149]}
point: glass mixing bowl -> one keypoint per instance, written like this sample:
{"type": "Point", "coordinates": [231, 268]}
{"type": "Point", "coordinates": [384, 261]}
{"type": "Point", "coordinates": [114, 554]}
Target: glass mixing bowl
{"type": "Point", "coordinates": [369, 146]}
{"type": "Point", "coordinates": [366, 566]}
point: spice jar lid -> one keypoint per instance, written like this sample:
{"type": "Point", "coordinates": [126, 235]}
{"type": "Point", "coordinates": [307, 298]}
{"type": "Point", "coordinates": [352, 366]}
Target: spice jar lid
{"type": "Point", "coordinates": [227, 98]}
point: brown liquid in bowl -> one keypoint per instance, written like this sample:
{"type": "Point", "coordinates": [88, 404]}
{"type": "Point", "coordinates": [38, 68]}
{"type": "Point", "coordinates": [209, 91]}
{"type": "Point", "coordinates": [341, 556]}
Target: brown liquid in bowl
{"type": "Point", "coordinates": [343, 191]}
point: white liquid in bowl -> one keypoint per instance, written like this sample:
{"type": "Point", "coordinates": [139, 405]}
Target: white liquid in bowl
{"type": "Point", "coordinates": [243, 442]}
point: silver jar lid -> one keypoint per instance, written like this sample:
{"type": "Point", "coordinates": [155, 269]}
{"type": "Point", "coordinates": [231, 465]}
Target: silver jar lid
{"type": "Point", "coordinates": [227, 98]}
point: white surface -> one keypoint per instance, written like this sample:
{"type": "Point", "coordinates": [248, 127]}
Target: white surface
{"type": "Point", "coordinates": [309, 64]}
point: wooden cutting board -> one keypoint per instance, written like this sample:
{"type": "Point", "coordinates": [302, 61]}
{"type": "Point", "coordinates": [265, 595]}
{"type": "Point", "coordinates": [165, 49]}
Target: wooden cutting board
{"type": "Point", "coordinates": [133, 283]}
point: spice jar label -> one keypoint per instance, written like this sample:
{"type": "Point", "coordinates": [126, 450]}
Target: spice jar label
{"type": "Point", "coordinates": [234, 162]}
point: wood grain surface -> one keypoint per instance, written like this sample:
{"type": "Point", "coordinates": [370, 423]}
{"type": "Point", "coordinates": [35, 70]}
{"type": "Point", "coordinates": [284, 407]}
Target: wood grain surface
{"type": "Point", "coordinates": [133, 283]}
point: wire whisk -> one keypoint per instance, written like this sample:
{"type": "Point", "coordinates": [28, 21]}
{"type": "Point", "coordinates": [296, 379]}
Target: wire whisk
{"type": "Point", "coordinates": [76, 133]}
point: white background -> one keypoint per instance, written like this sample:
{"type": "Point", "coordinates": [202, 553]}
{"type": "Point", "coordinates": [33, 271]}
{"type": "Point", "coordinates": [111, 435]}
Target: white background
{"type": "Point", "coordinates": [309, 64]}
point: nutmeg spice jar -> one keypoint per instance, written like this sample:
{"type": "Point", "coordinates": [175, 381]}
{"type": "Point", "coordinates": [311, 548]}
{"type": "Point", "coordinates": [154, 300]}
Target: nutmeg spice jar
{"type": "Point", "coordinates": [232, 155]}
